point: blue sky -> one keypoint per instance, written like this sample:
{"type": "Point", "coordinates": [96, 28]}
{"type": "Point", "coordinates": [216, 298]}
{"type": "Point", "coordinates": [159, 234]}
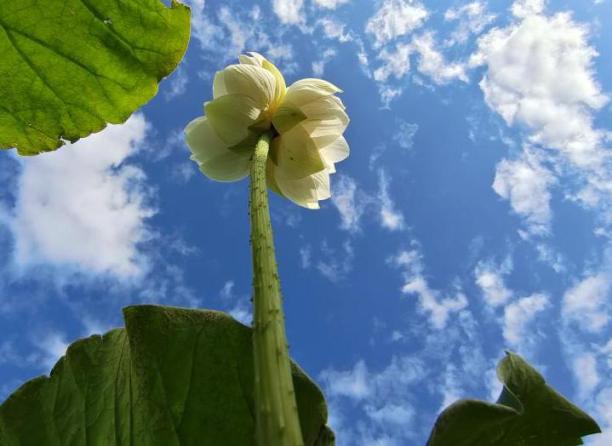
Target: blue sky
{"type": "Point", "coordinates": [473, 215]}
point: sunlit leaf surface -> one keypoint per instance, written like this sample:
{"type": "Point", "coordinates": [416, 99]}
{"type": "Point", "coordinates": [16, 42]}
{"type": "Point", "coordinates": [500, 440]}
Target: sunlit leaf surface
{"type": "Point", "coordinates": [69, 67]}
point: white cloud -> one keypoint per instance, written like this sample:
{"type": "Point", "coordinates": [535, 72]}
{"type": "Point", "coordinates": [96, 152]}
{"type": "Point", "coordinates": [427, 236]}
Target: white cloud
{"type": "Point", "coordinates": [332, 29]}
{"type": "Point", "coordinates": [390, 218]}
{"type": "Point", "coordinates": [238, 306]}
{"type": "Point", "coordinates": [202, 29]}
{"type": "Point", "coordinates": [433, 64]}
{"type": "Point", "coordinates": [289, 11]}
{"type": "Point", "coordinates": [490, 279]}
{"type": "Point", "coordinates": [335, 264]}
{"type": "Point", "coordinates": [10, 354]}
{"type": "Point", "coordinates": [550, 256]}
{"type": "Point", "coordinates": [353, 203]}
{"type": "Point", "coordinates": [385, 398]}
{"type": "Point", "coordinates": [318, 66]}
{"type": "Point", "coordinates": [353, 384]}
{"type": "Point", "coordinates": [394, 63]}
{"type": "Point", "coordinates": [525, 183]}
{"type": "Point", "coordinates": [450, 387]}
{"type": "Point", "coordinates": [389, 93]}
{"type": "Point", "coordinates": [603, 410]}
{"type": "Point", "coordinates": [525, 8]}
{"type": "Point", "coordinates": [52, 346]}
{"type": "Point", "coordinates": [404, 136]}
{"type": "Point", "coordinates": [176, 85]}
{"type": "Point", "coordinates": [331, 4]}
{"type": "Point", "coordinates": [586, 304]}
{"type": "Point", "coordinates": [305, 257]}
{"type": "Point", "coordinates": [230, 32]}
{"type": "Point", "coordinates": [350, 202]}
{"type": "Point", "coordinates": [584, 366]}
{"type": "Point", "coordinates": [472, 18]}
{"type": "Point", "coordinates": [517, 317]}
{"type": "Point", "coordinates": [395, 18]}
{"type": "Point", "coordinates": [540, 77]}
{"type": "Point", "coordinates": [84, 206]}
{"type": "Point", "coordinates": [438, 308]}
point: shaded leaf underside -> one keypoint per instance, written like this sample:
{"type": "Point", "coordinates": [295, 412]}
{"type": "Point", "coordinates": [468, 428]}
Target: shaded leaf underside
{"type": "Point", "coordinates": [171, 377]}
{"type": "Point", "coordinates": [527, 413]}
{"type": "Point", "coordinates": [69, 67]}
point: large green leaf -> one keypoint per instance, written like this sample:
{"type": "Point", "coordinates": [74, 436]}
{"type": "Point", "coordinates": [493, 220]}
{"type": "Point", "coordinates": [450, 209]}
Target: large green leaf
{"type": "Point", "coordinates": [171, 377]}
{"type": "Point", "coordinates": [527, 413]}
{"type": "Point", "coordinates": [69, 67]}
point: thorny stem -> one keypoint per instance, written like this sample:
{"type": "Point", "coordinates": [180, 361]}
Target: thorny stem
{"type": "Point", "coordinates": [277, 421]}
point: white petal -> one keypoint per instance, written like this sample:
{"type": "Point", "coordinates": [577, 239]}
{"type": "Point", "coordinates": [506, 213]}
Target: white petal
{"type": "Point", "coordinates": [203, 141]}
{"type": "Point", "coordinates": [324, 108]}
{"type": "Point", "coordinates": [258, 60]}
{"type": "Point", "coordinates": [305, 192]}
{"type": "Point", "coordinates": [335, 152]}
{"type": "Point", "coordinates": [227, 167]}
{"type": "Point", "coordinates": [251, 58]}
{"type": "Point", "coordinates": [307, 90]}
{"type": "Point", "coordinates": [322, 185]}
{"type": "Point", "coordinates": [219, 84]}
{"type": "Point", "coordinates": [325, 131]}
{"type": "Point", "coordinates": [250, 80]}
{"type": "Point", "coordinates": [280, 88]}
{"type": "Point", "coordinates": [212, 155]}
{"type": "Point", "coordinates": [295, 153]}
{"type": "Point", "coordinates": [231, 116]}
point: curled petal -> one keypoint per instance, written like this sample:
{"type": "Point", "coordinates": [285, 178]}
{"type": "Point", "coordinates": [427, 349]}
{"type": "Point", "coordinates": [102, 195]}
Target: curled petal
{"type": "Point", "coordinates": [231, 116]}
{"type": "Point", "coordinates": [213, 156]}
{"type": "Point", "coordinates": [304, 91]}
{"type": "Point", "coordinates": [305, 192]}
{"type": "Point", "coordinates": [334, 153]}
{"type": "Point", "coordinates": [250, 80]}
{"type": "Point", "coordinates": [324, 107]}
{"type": "Point", "coordinates": [251, 58]}
{"type": "Point", "coordinates": [280, 87]}
{"type": "Point", "coordinates": [260, 61]}
{"type": "Point", "coordinates": [325, 131]}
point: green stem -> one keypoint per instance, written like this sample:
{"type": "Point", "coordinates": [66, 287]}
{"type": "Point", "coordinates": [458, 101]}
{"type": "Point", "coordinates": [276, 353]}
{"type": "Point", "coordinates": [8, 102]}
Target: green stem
{"type": "Point", "coordinates": [277, 421]}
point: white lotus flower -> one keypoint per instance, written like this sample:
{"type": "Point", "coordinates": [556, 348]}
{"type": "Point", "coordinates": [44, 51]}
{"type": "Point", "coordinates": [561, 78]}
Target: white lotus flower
{"type": "Point", "coordinates": [306, 119]}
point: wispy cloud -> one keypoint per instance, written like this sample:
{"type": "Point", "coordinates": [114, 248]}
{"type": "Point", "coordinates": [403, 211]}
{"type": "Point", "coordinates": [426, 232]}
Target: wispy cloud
{"type": "Point", "coordinates": [394, 19]}
{"type": "Point", "coordinates": [331, 4]}
{"type": "Point", "coordinates": [471, 18]}
{"type": "Point", "coordinates": [390, 218]}
{"type": "Point", "coordinates": [385, 397]}
{"type": "Point", "coordinates": [490, 279]}
{"type": "Point", "coordinates": [350, 202]}
{"type": "Point", "coordinates": [437, 306]}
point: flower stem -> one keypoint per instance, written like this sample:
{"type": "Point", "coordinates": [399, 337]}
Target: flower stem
{"type": "Point", "coordinates": [277, 421]}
